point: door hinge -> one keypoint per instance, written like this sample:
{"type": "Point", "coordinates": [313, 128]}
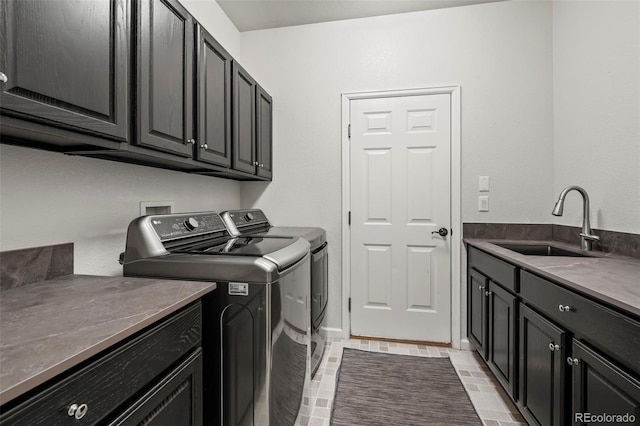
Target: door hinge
{"type": "Point", "coordinates": [349, 304]}
{"type": "Point", "coordinates": [349, 131]}
{"type": "Point", "coordinates": [349, 218]}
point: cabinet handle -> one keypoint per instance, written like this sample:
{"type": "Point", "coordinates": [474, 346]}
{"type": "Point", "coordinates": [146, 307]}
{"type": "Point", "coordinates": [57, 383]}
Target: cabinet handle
{"type": "Point", "coordinates": [3, 77]}
{"type": "Point", "coordinates": [255, 163]}
{"type": "Point", "coordinates": [565, 308]}
{"type": "Point", "coordinates": [192, 141]}
{"type": "Point", "coordinates": [481, 288]}
{"type": "Point", "coordinates": [573, 361]}
{"type": "Point", "coordinates": [261, 165]}
{"type": "Point", "coordinates": [488, 293]}
{"type": "Point", "coordinates": [77, 411]}
{"type": "Point", "coordinates": [204, 146]}
{"type": "Point", "coordinates": [553, 347]}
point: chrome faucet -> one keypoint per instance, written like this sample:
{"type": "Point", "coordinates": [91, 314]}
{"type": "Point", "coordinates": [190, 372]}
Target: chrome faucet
{"type": "Point", "coordinates": [586, 236]}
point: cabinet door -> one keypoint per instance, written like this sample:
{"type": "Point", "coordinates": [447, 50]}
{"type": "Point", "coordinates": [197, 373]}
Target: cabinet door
{"type": "Point", "coordinates": [264, 132]}
{"type": "Point", "coordinates": [165, 77]}
{"type": "Point", "coordinates": [502, 353]}
{"type": "Point", "coordinates": [176, 400]}
{"type": "Point", "coordinates": [244, 112]}
{"type": "Point", "coordinates": [542, 370]}
{"type": "Point", "coordinates": [214, 101]}
{"type": "Point", "coordinates": [600, 387]}
{"type": "Point", "coordinates": [66, 63]}
{"type": "Point", "coordinates": [477, 311]}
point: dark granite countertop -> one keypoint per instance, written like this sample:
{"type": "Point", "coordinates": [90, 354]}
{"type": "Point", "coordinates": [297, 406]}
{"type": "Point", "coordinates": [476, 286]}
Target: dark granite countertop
{"type": "Point", "coordinates": [48, 327]}
{"type": "Point", "coordinates": [612, 279]}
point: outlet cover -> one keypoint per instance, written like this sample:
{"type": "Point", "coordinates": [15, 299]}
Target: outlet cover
{"type": "Point", "coordinates": [483, 203]}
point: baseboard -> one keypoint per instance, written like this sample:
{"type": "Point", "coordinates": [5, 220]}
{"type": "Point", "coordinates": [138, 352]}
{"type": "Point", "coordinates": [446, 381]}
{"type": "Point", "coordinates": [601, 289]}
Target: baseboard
{"type": "Point", "coordinates": [465, 345]}
{"type": "Point", "coordinates": [332, 332]}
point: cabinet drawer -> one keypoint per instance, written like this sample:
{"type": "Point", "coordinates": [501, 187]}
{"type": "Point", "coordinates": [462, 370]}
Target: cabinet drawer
{"type": "Point", "coordinates": [617, 335]}
{"type": "Point", "coordinates": [501, 272]}
{"type": "Point", "coordinates": [110, 381]}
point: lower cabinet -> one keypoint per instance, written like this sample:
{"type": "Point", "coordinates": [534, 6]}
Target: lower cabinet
{"type": "Point", "coordinates": [492, 327]}
{"type": "Point", "coordinates": [163, 364]}
{"type": "Point", "coordinates": [601, 388]}
{"type": "Point", "coordinates": [542, 370]}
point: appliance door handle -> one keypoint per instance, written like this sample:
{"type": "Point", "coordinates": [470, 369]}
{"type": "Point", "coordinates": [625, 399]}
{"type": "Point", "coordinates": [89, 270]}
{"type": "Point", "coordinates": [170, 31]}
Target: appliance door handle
{"type": "Point", "coordinates": [320, 252]}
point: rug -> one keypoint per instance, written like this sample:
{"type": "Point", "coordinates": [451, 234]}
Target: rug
{"type": "Point", "coordinates": [386, 389]}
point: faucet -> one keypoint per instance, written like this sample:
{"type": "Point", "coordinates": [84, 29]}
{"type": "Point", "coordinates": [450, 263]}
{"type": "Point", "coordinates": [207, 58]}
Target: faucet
{"type": "Point", "coordinates": [586, 235]}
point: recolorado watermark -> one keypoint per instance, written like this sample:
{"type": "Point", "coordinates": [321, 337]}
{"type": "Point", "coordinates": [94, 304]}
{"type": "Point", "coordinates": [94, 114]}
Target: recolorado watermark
{"type": "Point", "coordinates": [604, 418]}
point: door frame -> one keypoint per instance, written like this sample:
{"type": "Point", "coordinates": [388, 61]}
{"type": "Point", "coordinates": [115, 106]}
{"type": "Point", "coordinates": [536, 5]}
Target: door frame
{"type": "Point", "coordinates": [456, 220]}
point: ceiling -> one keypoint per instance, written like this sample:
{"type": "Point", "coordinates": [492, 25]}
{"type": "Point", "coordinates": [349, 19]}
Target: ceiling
{"type": "Point", "coordinates": [248, 15]}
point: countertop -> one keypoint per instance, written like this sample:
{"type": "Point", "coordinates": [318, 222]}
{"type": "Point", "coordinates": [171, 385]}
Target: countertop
{"type": "Point", "coordinates": [48, 327]}
{"type": "Point", "coordinates": [612, 279]}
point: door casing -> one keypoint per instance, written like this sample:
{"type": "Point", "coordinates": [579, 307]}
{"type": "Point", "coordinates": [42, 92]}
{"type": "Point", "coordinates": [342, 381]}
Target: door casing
{"type": "Point", "coordinates": [456, 221]}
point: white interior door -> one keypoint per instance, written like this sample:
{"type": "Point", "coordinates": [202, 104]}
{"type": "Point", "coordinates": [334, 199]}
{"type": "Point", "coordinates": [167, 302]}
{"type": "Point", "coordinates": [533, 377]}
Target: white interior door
{"type": "Point", "coordinates": [400, 150]}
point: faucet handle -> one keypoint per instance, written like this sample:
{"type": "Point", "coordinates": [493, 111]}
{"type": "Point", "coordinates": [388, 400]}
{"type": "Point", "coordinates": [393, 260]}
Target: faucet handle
{"type": "Point", "coordinates": [591, 237]}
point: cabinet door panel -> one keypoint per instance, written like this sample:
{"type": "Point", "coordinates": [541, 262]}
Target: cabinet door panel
{"type": "Point", "coordinates": [542, 370]}
{"type": "Point", "coordinates": [600, 387]}
{"type": "Point", "coordinates": [244, 149]}
{"type": "Point", "coordinates": [502, 336]}
{"type": "Point", "coordinates": [264, 132]}
{"type": "Point", "coordinates": [214, 101]}
{"type": "Point", "coordinates": [165, 77]}
{"type": "Point", "coordinates": [176, 400]}
{"type": "Point", "coordinates": [477, 311]}
{"type": "Point", "coordinates": [67, 64]}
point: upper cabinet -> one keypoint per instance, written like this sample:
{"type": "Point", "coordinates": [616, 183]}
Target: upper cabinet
{"type": "Point", "coordinates": [165, 77]}
{"type": "Point", "coordinates": [264, 132]}
{"type": "Point", "coordinates": [244, 113]}
{"type": "Point", "coordinates": [213, 100]}
{"type": "Point", "coordinates": [66, 64]}
{"type": "Point", "coordinates": [133, 81]}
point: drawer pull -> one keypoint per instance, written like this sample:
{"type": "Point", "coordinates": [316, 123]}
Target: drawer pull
{"type": "Point", "coordinates": [553, 347]}
{"type": "Point", "coordinates": [565, 308]}
{"type": "Point", "coordinates": [77, 411]}
{"type": "Point", "coordinates": [573, 361]}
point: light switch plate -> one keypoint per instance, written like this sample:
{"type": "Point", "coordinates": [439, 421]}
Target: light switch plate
{"type": "Point", "coordinates": [483, 183]}
{"type": "Point", "coordinates": [483, 203]}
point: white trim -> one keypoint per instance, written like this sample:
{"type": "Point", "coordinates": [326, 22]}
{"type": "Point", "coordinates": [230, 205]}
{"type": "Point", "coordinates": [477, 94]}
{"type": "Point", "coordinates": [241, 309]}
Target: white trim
{"type": "Point", "coordinates": [456, 221]}
{"type": "Point", "coordinates": [332, 332]}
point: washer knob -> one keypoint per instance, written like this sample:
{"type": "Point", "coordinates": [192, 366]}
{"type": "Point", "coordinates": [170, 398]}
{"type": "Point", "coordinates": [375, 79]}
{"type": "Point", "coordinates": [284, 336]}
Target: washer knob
{"type": "Point", "coordinates": [191, 224]}
{"type": "Point", "coordinates": [249, 216]}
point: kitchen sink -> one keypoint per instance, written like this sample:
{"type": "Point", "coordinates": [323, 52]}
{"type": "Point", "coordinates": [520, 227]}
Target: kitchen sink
{"type": "Point", "coordinates": [540, 250]}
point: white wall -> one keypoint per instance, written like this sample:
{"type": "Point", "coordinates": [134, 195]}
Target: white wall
{"type": "Point", "coordinates": [49, 198]}
{"type": "Point", "coordinates": [500, 55]}
{"type": "Point", "coordinates": [596, 53]}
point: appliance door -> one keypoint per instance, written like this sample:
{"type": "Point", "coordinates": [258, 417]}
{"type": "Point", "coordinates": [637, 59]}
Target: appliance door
{"type": "Point", "coordinates": [319, 284]}
{"type": "Point", "coordinates": [290, 335]}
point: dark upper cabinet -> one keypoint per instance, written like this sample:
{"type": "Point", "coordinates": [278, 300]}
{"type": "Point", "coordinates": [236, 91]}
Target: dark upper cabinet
{"type": "Point", "coordinates": [213, 100]}
{"type": "Point", "coordinates": [164, 78]}
{"type": "Point", "coordinates": [264, 132]}
{"type": "Point", "coordinates": [66, 64]}
{"type": "Point", "coordinates": [477, 286]}
{"type": "Point", "coordinates": [600, 387]}
{"type": "Point", "coordinates": [502, 344]}
{"type": "Point", "coordinates": [244, 113]}
{"type": "Point", "coordinates": [542, 370]}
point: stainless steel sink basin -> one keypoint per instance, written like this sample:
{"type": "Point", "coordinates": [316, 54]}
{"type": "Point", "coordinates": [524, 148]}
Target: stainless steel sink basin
{"type": "Point", "coordinates": [540, 250]}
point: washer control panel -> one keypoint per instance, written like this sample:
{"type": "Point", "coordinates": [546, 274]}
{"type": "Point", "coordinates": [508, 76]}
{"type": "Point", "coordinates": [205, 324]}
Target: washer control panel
{"type": "Point", "coordinates": [244, 218]}
{"type": "Point", "coordinates": [169, 227]}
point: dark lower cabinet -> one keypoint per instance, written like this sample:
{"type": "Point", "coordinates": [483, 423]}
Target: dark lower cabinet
{"type": "Point", "coordinates": [66, 64]}
{"type": "Point", "coordinates": [164, 77]}
{"type": "Point", "coordinates": [155, 378]}
{"type": "Point", "coordinates": [502, 347]}
{"type": "Point", "coordinates": [601, 388]}
{"type": "Point", "coordinates": [477, 286]}
{"type": "Point", "coordinates": [542, 372]}
{"type": "Point", "coordinates": [176, 400]}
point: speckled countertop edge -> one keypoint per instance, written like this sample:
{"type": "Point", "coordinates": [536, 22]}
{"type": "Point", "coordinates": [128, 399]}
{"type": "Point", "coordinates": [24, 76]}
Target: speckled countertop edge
{"type": "Point", "coordinates": [612, 279]}
{"type": "Point", "coordinates": [49, 327]}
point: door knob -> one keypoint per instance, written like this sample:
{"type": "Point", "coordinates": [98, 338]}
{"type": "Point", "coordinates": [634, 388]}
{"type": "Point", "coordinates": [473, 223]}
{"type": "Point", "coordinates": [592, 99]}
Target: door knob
{"type": "Point", "coordinates": [443, 232]}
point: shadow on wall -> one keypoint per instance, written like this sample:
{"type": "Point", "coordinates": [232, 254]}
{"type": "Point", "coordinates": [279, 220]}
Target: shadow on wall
{"type": "Point", "coordinates": [251, 192]}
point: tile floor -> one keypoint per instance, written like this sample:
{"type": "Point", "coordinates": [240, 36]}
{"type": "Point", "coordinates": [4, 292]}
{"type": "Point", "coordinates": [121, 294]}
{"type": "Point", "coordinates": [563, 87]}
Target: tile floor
{"type": "Point", "coordinates": [488, 398]}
